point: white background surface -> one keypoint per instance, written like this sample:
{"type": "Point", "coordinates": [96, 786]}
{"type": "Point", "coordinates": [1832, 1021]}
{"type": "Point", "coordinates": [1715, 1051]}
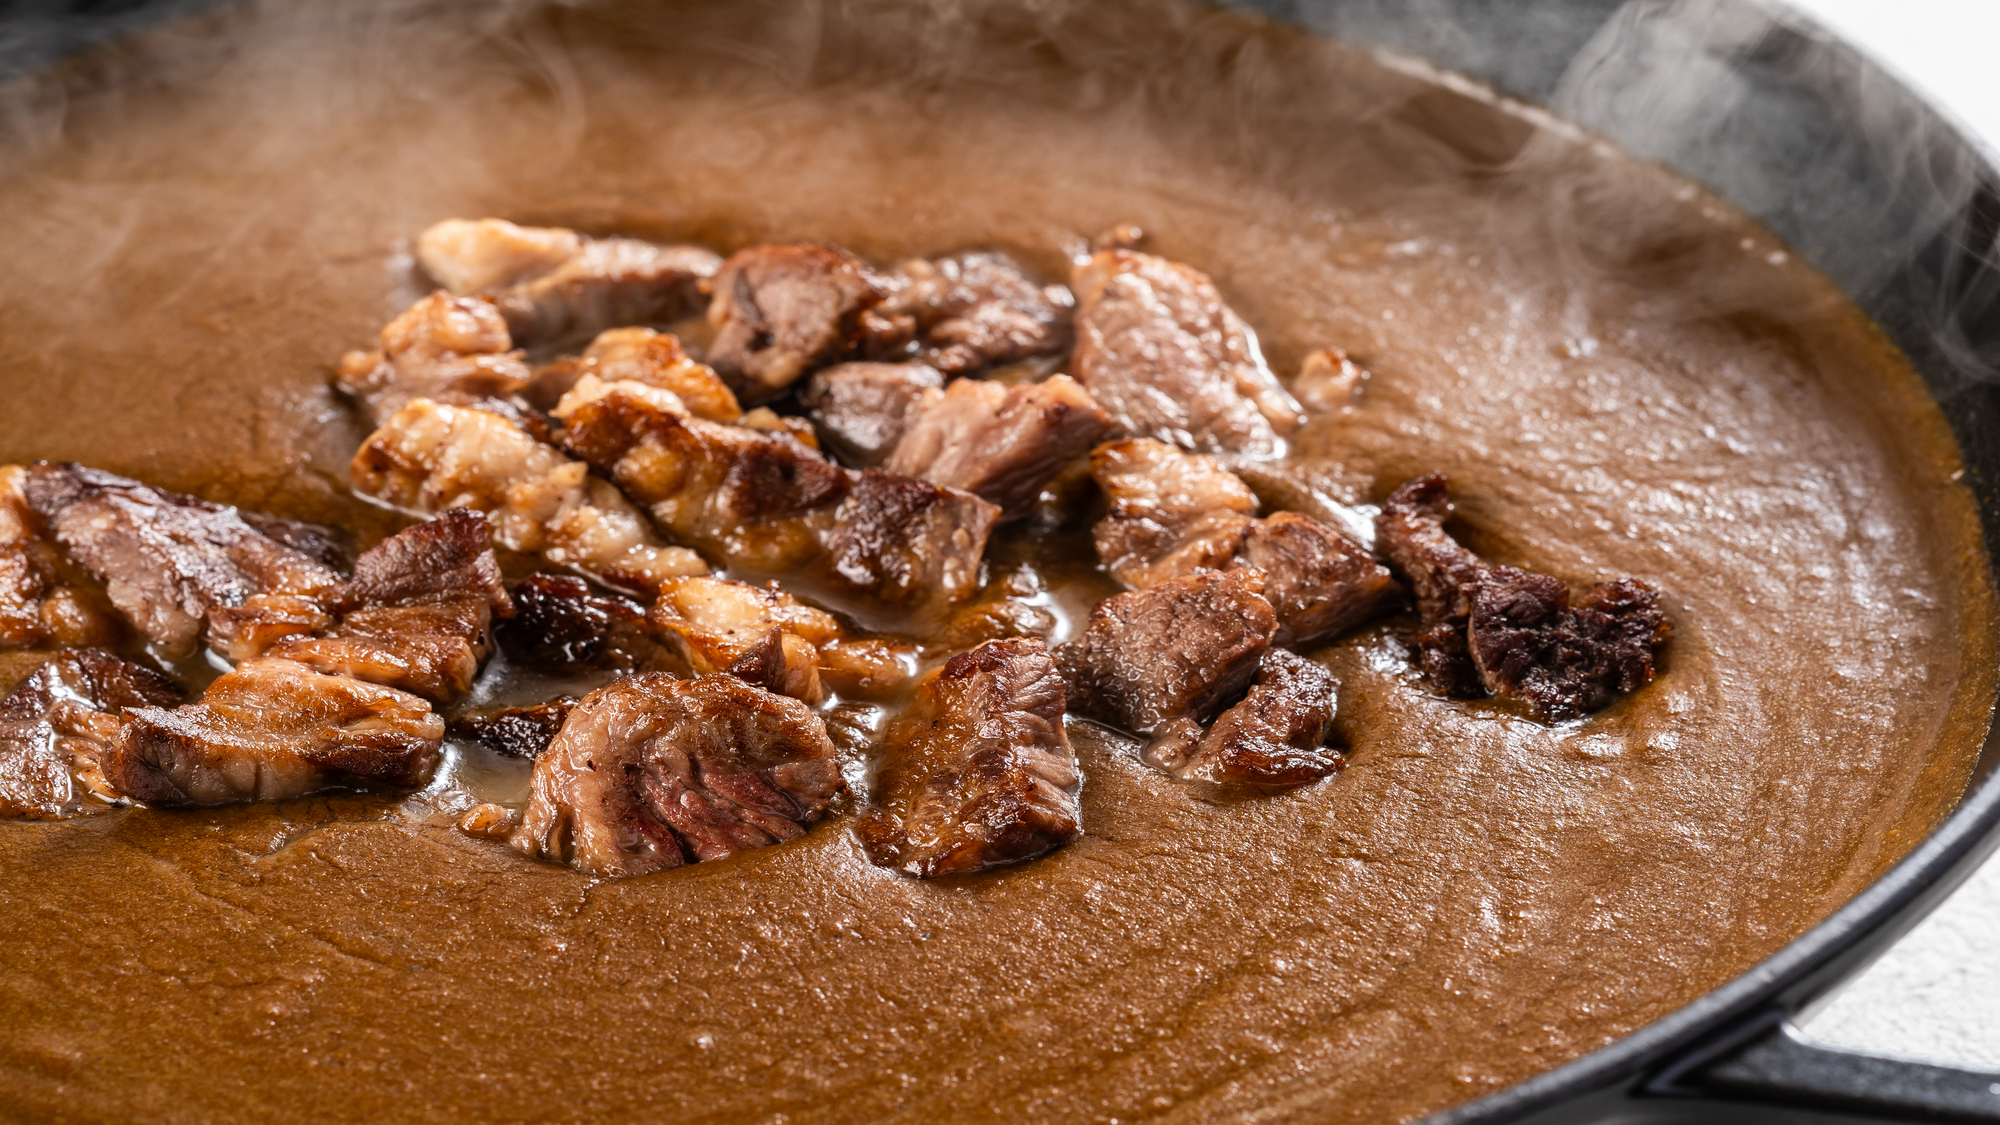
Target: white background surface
{"type": "Point", "coordinates": [1936, 993]}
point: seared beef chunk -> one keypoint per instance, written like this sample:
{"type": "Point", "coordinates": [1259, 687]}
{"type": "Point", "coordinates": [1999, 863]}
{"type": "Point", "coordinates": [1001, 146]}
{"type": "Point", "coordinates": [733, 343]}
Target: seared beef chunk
{"type": "Point", "coordinates": [1180, 649]}
{"type": "Point", "coordinates": [560, 625]}
{"type": "Point", "coordinates": [169, 560]}
{"type": "Point", "coordinates": [274, 729]}
{"type": "Point", "coordinates": [45, 599]}
{"type": "Point", "coordinates": [55, 725]}
{"type": "Point", "coordinates": [431, 457]}
{"type": "Point", "coordinates": [552, 283]}
{"type": "Point", "coordinates": [518, 732]}
{"type": "Point", "coordinates": [1274, 739]}
{"type": "Point", "coordinates": [863, 408]}
{"type": "Point", "coordinates": [766, 636]}
{"type": "Point", "coordinates": [969, 311]}
{"type": "Point", "coordinates": [417, 613]}
{"type": "Point", "coordinates": [978, 773]}
{"type": "Point", "coordinates": [448, 349]}
{"type": "Point", "coordinates": [1000, 443]}
{"type": "Point", "coordinates": [651, 772]}
{"type": "Point", "coordinates": [1173, 512]}
{"type": "Point", "coordinates": [639, 355]}
{"type": "Point", "coordinates": [1158, 349]}
{"type": "Point", "coordinates": [765, 503]}
{"type": "Point", "coordinates": [1512, 632]}
{"type": "Point", "coordinates": [780, 311]}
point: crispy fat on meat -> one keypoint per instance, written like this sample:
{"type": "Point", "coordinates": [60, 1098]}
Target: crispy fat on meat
{"type": "Point", "coordinates": [447, 349]}
{"type": "Point", "coordinates": [1180, 649]}
{"type": "Point", "coordinates": [1158, 349]}
{"type": "Point", "coordinates": [176, 566]}
{"type": "Point", "coordinates": [431, 457]}
{"type": "Point", "coordinates": [45, 599]}
{"type": "Point", "coordinates": [639, 355]}
{"type": "Point", "coordinates": [780, 311]}
{"type": "Point", "coordinates": [862, 409]}
{"type": "Point", "coordinates": [966, 312]}
{"type": "Point", "coordinates": [1000, 443]}
{"type": "Point", "coordinates": [771, 639]}
{"type": "Point", "coordinates": [979, 772]}
{"type": "Point", "coordinates": [551, 283]}
{"type": "Point", "coordinates": [56, 724]}
{"type": "Point", "coordinates": [274, 729]}
{"type": "Point", "coordinates": [1274, 738]}
{"type": "Point", "coordinates": [651, 772]}
{"type": "Point", "coordinates": [1512, 632]}
{"type": "Point", "coordinates": [418, 613]}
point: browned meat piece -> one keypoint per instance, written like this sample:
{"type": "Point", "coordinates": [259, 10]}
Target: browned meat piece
{"type": "Point", "coordinates": [168, 560]}
{"type": "Point", "coordinates": [970, 311]}
{"type": "Point", "coordinates": [1328, 381]}
{"type": "Point", "coordinates": [431, 457]}
{"type": "Point", "coordinates": [1274, 739]}
{"type": "Point", "coordinates": [1171, 512]}
{"type": "Point", "coordinates": [651, 772]}
{"type": "Point", "coordinates": [448, 349]}
{"type": "Point", "coordinates": [551, 283]}
{"type": "Point", "coordinates": [780, 311]}
{"type": "Point", "coordinates": [1180, 649]}
{"type": "Point", "coordinates": [417, 614]}
{"type": "Point", "coordinates": [55, 725]}
{"type": "Point", "coordinates": [764, 503]}
{"type": "Point", "coordinates": [517, 732]}
{"type": "Point", "coordinates": [768, 637]}
{"type": "Point", "coordinates": [45, 599]}
{"type": "Point", "coordinates": [1158, 349]}
{"type": "Point", "coordinates": [906, 544]}
{"type": "Point", "coordinates": [1511, 632]}
{"type": "Point", "coordinates": [1000, 443]}
{"type": "Point", "coordinates": [1320, 583]}
{"type": "Point", "coordinates": [274, 729]}
{"type": "Point", "coordinates": [639, 355]}
{"type": "Point", "coordinates": [978, 773]}
{"type": "Point", "coordinates": [1006, 608]}
{"type": "Point", "coordinates": [863, 408]}
{"type": "Point", "coordinates": [561, 625]}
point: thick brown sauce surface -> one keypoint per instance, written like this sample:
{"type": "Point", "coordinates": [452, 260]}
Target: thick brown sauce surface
{"type": "Point", "coordinates": [1620, 374]}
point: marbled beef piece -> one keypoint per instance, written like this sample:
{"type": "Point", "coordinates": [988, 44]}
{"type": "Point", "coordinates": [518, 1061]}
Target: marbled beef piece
{"type": "Point", "coordinates": [1001, 443]}
{"type": "Point", "coordinates": [417, 614]}
{"type": "Point", "coordinates": [1171, 512]}
{"type": "Point", "coordinates": [1512, 632]}
{"type": "Point", "coordinates": [1275, 738]}
{"type": "Point", "coordinates": [168, 560]}
{"type": "Point", "coordinates": [517, 732]}
{"type": "Point", "coordinates": [274, 729]}
{"type": "Point", "coordinates": [1158, 349]}
{"type": "Point", "coordinates": [448, 349]}
{"type": "Point", "coordinates": [552, 284]}
{"type": "Point", "coordinates": [639, 355]}
{"type": "Point", "coordinates": [56, 724]}
{"type": "Point", "coordinates": [45, 599]}
{"type": "Point", "coordinates": [431, 457]}
{"type": "Point", "coordinates": [780, 311]}
{"type": "Point", "coordinates": [966, 312]}
{"type": "Point", "coordinates": [561, 625]}
{"type": "Point", "coordinates": [651, 772]}
{"type": "Point", "coordinates": [1319, 582]}
{"type": "Point", "coordinates": [978, 773]}
{"type": "Point", "coordinates": [772, 639]}
{"type": "Point", "coordinates": [862, 409]}
{"type": "Point", "coordinates": [1180, 649]}
{"type": "Point", "coordinates": [764, 503]}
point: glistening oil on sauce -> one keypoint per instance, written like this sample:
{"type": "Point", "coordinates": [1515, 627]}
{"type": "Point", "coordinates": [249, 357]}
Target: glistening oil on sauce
{"type": "Point", "coordinates": [1620, 374]}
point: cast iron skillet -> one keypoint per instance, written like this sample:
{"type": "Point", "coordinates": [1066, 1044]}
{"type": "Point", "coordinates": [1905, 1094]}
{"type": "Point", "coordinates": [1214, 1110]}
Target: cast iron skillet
{"type": "Point", "coordinates": [1899, 206]}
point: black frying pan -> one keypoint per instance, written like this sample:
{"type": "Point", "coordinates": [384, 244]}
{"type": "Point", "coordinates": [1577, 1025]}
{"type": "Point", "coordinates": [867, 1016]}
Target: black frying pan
{"type": "Point", "coordinates": [1871, 184]}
